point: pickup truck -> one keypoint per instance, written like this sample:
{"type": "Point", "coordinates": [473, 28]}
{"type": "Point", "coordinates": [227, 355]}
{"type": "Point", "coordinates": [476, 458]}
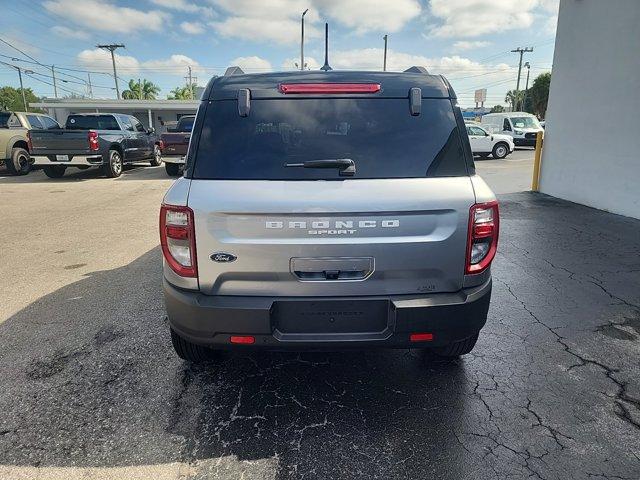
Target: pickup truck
{"type": "Point", "coordinates": [174, 145]}
{"type": "Point", "coordinates": [105, 140]}
{"type": "Point", "coordinates": [14, 144]}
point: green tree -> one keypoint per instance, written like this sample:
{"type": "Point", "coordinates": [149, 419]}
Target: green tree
{"type": "Point", "coordinates": [514, 98]}
{"type": "Point", "coordinates": [11, 99]}
{"type": "Point", "coordinates": [539, 93]}
{"type": "Point", "coordinates": [183, 93]}
{"type": "Point", "coordinates": [497, 109]}
{"type": "Point", "coordinates": [144, 90]}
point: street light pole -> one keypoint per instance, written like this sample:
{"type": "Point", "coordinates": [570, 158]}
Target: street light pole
{"type": "Point", "coordinates": [384, 64]}
{"type": "Point", "coordinates": [526, 88]}
{"type": "Point", "coordinates": [302, 39]}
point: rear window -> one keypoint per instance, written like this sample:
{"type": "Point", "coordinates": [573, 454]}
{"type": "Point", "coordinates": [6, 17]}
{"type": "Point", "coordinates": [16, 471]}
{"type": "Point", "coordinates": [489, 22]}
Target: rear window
{"type": "Point", "coordinates": [92, 122]}
{"type": "Point", "coordinates": [4, 118]}
{"type": "Point", "coordinates": [380, 135]}
{"type": "Point", "coordinates": [185, 124]}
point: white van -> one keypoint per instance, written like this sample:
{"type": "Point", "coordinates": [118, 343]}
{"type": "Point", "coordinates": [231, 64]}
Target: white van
{"type": "Point", "coordinates": [522, 126]}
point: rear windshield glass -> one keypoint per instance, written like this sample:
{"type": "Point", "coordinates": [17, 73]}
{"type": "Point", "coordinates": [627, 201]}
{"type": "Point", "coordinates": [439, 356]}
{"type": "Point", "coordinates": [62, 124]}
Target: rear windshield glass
{"type": "Point", "coordinates": [185, 124]}
{"type": "Point", "coordinates": [380, 135]}
{"type": "Point", "coordinates": [92, 122]}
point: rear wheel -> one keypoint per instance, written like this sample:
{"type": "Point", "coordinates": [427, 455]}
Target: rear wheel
{"type": "Point", "coordinates": [19, 163]}
{"type": "Point", "coordinates": [54, 171]}
{"type": "Point", "coordinates": [113, 168]}
{"type": "Point", "coordinates": [173, 169]}
{"type": "Point", "coordinates": [156, 160]}
{"type": "Point", "coordinates": [190, 351]}
{"type": "Point", "coordinates": [461, 347]}
{"type": "Point", "coordinates": [500, 150]}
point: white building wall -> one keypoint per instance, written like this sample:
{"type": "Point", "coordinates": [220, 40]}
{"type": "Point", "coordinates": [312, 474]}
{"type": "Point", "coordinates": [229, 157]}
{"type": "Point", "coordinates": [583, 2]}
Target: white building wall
{"type": "Point", "coordinates": [592, 140]}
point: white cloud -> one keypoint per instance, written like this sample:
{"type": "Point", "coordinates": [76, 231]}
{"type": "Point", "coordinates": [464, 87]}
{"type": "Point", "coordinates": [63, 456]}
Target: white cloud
{"type": "Point", "coordinates": [174, 65]}
{"type": "Point", "coordinates": [192, 28]}
{"type": "Point", "coordinates": [66, 32]}
{"type": "Point", "coordinates": [107, 17]}
{"type": "Point", "coordinates": [184, 6]}
{"type": "Point", "coordinates": [472, 18]}
{"type": "Point", "coordinates": [367, 15]}
{"type": "Point", "coordinates": [279, 20]}
{"type": "Point", "coordinates": [258, 29]}
{"type": "Point", "coordinates": [290, 63]}
{"type": "Point", "coordinates": [252, 64]}
{"type": "Point", "coordinates": [100, 60]}
{"type": "Point", "coordinates": [470, 45]}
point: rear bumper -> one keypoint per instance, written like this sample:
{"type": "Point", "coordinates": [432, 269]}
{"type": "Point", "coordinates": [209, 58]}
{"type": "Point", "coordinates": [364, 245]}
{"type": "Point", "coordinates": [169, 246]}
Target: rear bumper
{"type": "Point", "coordinates": [173, 159]}
{"type": "Point", "coordinates": [74, 160]}
{"type": "Point", "coordinates": [211, 320]}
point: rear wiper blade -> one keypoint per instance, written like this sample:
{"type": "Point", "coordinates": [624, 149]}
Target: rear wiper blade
{"type": "Point", "coordinates": [346, 166]}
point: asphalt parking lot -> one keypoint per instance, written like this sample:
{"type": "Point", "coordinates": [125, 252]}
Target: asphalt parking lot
{"type": "Point", "coordinates": [91, 387]}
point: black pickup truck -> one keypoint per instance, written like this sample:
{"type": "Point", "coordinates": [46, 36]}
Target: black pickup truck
{"type": "Point", "coordinates": [104, 140]}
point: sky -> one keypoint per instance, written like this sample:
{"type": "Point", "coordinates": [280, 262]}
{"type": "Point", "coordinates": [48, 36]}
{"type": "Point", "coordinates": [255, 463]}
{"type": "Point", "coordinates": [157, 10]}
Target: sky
{"type": "Point", "coordinates": [468, 41]}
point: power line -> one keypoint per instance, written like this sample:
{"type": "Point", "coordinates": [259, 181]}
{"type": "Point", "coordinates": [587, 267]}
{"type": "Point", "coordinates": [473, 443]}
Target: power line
{"type": "Point", "coordinates": [112, 47]}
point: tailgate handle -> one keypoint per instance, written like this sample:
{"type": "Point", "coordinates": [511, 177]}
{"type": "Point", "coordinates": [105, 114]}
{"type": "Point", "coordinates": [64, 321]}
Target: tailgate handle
{"type": "Point", "coordinates": [332, 268]}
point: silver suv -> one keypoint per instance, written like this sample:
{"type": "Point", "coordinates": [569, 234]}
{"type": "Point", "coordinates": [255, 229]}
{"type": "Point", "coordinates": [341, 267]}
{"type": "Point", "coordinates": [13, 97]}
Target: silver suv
{"type": "Point", "coordinates": [328, 210]}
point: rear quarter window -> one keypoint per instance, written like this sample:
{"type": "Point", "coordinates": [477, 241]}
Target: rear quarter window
{"type": "Point", "coordinates": [379, 135]}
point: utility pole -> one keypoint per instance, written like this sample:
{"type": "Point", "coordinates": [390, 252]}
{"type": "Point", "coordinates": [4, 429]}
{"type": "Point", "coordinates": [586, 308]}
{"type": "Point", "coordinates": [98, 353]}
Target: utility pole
{"type": "Point", "coordinates": [190, 79]}
{"type": "Point", "coordinates": [526, 88]}
{"type": "Point", "coordinates": [111, 48]}
{"type": "Point", "coordinates": [139, 89]}
{"type": "Point", "coordinates": [521, 51]}
{"type": "Point", "coordinates": [89, 85]}
{"type": "Point", "coordinates": [384, 64]}
{"type": "Point", "coordinates": [55, 86]}
{"type": "Point", "coordinates": [24, 97]}
{"type": "Point", "coordinates": [302, 39]}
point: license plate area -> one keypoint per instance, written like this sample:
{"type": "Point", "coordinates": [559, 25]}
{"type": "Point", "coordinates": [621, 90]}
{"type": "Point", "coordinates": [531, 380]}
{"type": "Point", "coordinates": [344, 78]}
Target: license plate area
{"type": "Point", "coordinates": [328, 317]}
{"type": "Point", "coordinates": [62, 158]}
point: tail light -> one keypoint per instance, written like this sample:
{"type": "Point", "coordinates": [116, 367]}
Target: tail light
{"type": "Point", "coordinates": [482, 242]}
{"type": "Point", "coordinates": [29, 142]}
{"type": "Point", "coordinates": [161, 145]}
{"type": "Point", "coordinates": [178, 241]}
{"type": "Point", "coordinates": [94, 145]}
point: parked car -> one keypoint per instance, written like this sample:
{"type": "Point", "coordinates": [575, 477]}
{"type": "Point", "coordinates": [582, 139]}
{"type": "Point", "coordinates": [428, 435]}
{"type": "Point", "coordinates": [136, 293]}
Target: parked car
{"type": "Point", "coordinates": [14, 143]}
{"type": "Point", "coordinates": [174, 144]}
{"type": "Point", "coordinates": [105, 140]}
{"type": "Point", "coordinates": [523, 127]}
{"type": "Point", "coordinates": [484, 143]}
{"type": "Point", "coordinates": [328, 210]}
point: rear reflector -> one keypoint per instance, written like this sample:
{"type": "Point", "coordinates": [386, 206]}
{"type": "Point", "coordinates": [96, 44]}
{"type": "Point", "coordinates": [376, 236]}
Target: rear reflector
{"type": "Point", "coordinates": [244, 339]}
{"type": "Point", "coordinates": [421, 337]}
{"type": "Point", "coordinates": [329, 87]}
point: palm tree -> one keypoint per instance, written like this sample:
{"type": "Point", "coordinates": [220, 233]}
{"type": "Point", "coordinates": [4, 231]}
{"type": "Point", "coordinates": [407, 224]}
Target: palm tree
{"type": "Point", "coordinates": [183, 93]}
{"type": "Point", "coordinates": [514, 98]}
{"type": "Point", "coordinates": [142, 90]}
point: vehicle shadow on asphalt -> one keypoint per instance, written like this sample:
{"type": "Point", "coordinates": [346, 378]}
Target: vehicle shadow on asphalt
{"type": "Point", "coordinates": [136, 171]}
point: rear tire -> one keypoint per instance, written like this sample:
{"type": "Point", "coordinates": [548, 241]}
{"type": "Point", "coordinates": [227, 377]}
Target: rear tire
{"type": "Point", "coordinates": [156, 160]}
{"type": "Point", "coordinates": [54, 171]}
{"type": "Point", "coordinates": [19, 163]}
{"type": "Point", "coordinates": [500, 150]}
{"type": "Point", "coordinates": [461, 347]}
{"type": "Point", "coordinates": [190, 351]}
{"type": "Point", "coordinates": [113, 169]}
{"type": "Point", "coordinates": [173, 169]}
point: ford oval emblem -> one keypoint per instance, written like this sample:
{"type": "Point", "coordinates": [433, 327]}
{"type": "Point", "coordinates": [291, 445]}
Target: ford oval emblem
{"type": "Point", "coordinates": [223, 257]}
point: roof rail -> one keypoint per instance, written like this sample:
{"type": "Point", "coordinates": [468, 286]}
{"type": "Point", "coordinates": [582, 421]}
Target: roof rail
{"type": "Point", "coordinates": [233, 71]}
{"type": "Point", "coordinates": [417, 69]}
